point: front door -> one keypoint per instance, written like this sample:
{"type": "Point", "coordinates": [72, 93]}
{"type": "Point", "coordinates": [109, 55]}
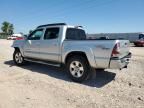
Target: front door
{"type": "Point", "coordinates": [32, 45]}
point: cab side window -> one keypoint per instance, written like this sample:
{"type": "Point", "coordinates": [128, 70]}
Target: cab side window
{"type": "Point", "coordinates": [75, 34]}
{"type": "Point", "coordinates": [51, 33]}
{"type": "Point", "coordinates": [36, 35]}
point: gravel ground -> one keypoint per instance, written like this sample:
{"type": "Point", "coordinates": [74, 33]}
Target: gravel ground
{"type": "Point", "coordinates": [41, 86]}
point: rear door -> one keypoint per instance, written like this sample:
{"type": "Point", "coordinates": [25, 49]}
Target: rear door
{"type": "Point", "coordinates": [32, 45]}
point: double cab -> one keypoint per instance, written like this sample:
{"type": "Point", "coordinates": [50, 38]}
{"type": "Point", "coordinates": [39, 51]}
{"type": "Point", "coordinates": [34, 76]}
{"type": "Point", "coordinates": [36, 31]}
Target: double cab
{"type": "Point", "coordinates": [61, 44]}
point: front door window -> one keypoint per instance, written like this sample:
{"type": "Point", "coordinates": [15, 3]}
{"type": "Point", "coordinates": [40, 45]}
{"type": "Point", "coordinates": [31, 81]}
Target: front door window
{"type": "Point", "coordinates": [36, 35]}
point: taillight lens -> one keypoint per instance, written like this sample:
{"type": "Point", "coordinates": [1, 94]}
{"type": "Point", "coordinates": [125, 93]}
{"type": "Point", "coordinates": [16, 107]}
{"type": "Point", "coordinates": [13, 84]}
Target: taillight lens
{"type": "Point", "coordinates": [116, 50]}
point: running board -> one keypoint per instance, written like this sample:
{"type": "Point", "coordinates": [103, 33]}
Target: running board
{"type": "Point", "coordinates": [43, 62]}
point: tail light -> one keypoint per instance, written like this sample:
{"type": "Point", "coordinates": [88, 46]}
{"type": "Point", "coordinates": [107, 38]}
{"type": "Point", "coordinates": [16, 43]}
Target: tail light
{"type": "Point", "coordinates": [20, 38]}
{"type": "Point", "coordinates": [116, 50]}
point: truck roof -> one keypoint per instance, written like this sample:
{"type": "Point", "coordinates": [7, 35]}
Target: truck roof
{"type": "Point", "coordinates": [54, 24]}
{"type": "Point", "coordinates": [60, 24]}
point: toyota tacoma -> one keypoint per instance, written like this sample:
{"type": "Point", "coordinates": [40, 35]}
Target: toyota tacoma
{"type": "Point", "coordinates": [61, 44]}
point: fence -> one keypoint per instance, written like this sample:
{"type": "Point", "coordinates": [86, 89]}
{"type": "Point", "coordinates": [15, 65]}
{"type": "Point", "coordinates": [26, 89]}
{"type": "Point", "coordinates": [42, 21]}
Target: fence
{"type": "Point", "coordinates": [129, 36]}
{"type": "Point", "coordinates": [3, 36]}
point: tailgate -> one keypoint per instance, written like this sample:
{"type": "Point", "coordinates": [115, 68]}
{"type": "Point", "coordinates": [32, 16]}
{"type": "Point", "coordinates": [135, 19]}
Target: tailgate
{"type": "Point", "coordinates": [124, 48]}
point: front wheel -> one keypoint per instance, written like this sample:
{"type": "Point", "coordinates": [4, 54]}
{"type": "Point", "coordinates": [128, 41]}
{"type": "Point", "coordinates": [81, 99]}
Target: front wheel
{"type": "Point", "coordinates": [78, 68]}
{"type": "Point", "coordinates": [18, 58]}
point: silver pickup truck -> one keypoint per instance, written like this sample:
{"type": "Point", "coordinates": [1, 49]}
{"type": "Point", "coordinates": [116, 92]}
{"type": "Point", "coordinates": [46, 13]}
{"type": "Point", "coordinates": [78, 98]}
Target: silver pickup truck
{"type": "Point", "coordinates": [58, 44]}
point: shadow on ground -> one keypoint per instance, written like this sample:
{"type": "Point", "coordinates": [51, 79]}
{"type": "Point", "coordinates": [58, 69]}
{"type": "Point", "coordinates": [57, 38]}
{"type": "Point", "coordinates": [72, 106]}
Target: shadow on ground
{"type": "Point", "coordinates": [101, 79]}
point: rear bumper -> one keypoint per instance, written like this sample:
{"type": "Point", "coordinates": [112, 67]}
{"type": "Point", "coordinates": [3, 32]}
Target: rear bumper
{"type": "Point", "coordinates": [117, 63]}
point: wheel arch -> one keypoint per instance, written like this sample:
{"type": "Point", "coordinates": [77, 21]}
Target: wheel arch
{"type": "Point", "coordinates": [18, 49]}
{"type": "Point", "coordinates": [76, 53]}
{"type": "Point", "coordinates": [89, 57]}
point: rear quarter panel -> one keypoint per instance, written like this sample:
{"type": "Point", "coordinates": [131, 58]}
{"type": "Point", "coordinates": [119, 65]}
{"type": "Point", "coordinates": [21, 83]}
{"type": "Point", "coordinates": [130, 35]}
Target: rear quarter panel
{"type": "Point", "coordinates": [98, 52]}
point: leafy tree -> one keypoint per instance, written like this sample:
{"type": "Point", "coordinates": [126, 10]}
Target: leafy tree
{"type": "Point", "coordinates": [7, 27]}
{"type": "Point", "coordinates": [11, 29]}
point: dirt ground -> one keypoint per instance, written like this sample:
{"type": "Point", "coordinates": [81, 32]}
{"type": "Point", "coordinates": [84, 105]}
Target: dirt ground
{"type": "Point", "coordinates": [41, 86]}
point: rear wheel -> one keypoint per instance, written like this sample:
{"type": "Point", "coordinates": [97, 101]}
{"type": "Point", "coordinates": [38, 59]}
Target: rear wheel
{"type": "Point", "coordinates": [78, 68]}
{"type": "Point", "coordinates": [18, 58]}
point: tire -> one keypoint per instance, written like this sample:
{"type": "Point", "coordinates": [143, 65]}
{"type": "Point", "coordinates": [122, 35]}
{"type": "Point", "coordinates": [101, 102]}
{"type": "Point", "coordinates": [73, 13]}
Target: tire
{"type": "Point", "coordinates": [18, 58]}
{"type": "Point", "coordinates": [78, 68]}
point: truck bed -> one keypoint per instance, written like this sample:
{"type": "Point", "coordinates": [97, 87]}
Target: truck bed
{"type": "Point", "coordinates": [101, 49]}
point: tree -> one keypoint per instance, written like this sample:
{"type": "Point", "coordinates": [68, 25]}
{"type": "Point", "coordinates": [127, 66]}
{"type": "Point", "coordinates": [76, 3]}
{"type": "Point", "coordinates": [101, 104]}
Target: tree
{"type": "Point", "coordinates": [11, 29]}
{"type": "Point", "coordinates": [7, 27]}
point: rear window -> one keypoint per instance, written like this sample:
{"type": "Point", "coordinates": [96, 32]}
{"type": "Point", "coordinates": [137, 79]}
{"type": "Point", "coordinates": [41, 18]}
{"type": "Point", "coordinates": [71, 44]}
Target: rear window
{"type": "Point", "coordinates": [75, 34]}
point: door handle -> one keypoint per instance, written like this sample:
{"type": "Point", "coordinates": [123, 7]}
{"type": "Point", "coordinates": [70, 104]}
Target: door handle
{"type": "Point", "coordinates": [105, 48]}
